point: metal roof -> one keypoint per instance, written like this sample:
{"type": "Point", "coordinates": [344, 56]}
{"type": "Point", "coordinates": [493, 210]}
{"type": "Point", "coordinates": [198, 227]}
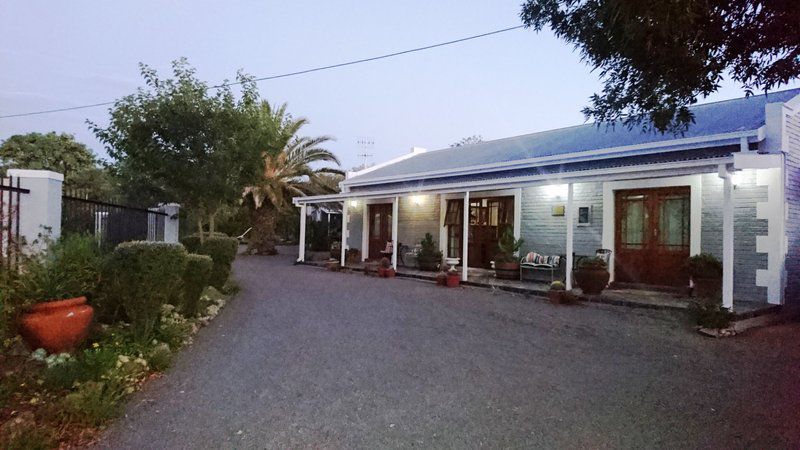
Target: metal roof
{"type": "Point", "coordinates": [718, 118]}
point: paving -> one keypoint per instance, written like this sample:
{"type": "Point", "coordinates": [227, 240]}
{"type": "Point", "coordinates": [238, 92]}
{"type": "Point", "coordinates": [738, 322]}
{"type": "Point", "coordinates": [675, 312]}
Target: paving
{"type": "Point", "coordinates": [302, 357]}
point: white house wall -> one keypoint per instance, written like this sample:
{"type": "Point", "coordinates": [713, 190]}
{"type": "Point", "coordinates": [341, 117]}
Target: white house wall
{"type": "Point", "coordinates": [355, 225]}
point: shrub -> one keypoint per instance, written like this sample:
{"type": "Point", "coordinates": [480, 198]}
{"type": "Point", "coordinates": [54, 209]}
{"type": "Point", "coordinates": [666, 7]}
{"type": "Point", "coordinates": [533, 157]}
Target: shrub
{"type": "Point", "coordinates": [91, 364]}
{"type": "Point", "coordinates": [195, 278]}
{"type": "Point", "coordinates": [173, 328]}
{"type": "Point", "coordinates": [704, 265]}
{"type": "Point", "coordinates": [159, 357]}
{"type": "Point", "coordinates": [429, 258]}
{"type": "Point", "coordinates": [595, 262]}
{"type": "Point", "coordinates": [222, 250]}
{"type": "Point", "coordinates": [139, 278]}
{"type": "Point", "coordinates": [93, 402]}
{"type": "Point", "coordinates": [508, 246]}
{"type": "Point", "coordinates": [709, 313]}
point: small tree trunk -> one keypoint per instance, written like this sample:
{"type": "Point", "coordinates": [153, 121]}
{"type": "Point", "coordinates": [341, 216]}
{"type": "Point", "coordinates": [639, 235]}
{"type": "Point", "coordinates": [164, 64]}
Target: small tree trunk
{"type": "Point", "coordinates": [212, 222]}
{"type": "Point", "coordinates": [200, 228]}
{"type": "Point", "coordinates": [263, 238]}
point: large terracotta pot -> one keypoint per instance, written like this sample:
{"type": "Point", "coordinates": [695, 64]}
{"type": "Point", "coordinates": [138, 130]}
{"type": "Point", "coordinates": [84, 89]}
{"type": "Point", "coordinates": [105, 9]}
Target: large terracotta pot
{"type": "Point", "coordinates": [707, 287]}
{"type": "Point", "coordinates": [556, 296]}
{"type": "Point", "coordinates": [506, 270]}
{"type": "Point", "coordinates": [453, 279]}
{"type": "Point", "coordinates": [57, 326]}
{"type": "Point", "coordinates": [592, 281]}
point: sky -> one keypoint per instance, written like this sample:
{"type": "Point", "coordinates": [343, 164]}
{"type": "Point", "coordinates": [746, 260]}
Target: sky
{"type": "Point", "coordinates": [57, 54]}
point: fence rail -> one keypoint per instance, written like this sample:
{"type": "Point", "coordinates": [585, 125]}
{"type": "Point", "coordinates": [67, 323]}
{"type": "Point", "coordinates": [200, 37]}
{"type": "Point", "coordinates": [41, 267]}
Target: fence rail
{"type": "Point", "coordinates": [9, 221]}
{"type": "Point", "coordinates": [110, 222]}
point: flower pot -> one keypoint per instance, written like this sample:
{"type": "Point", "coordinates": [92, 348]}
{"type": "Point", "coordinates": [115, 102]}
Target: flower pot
{"type": "Point", "coordinates": [333, 266]}
{"type": "Point", "coordinates": [56, 326]}
{"type": "Point", "coordinates": [389, 272]}
{"type": "Point", "coordinates": [453, 279]}
{"type": "Point", "coordinates": [441, 279]}
{"type": "Point", "coordinates": [556, 296]}
{"type": "Point", "coordinates": [381, 271]}
{"type": "Point", "coordinates": [592, 280]}
{"type": "Point", "coordinates": [707, 287]}
{"type": "Point", "coordinates": [428, 264]}
{"type": "Point", "coordinates": [506, 270]}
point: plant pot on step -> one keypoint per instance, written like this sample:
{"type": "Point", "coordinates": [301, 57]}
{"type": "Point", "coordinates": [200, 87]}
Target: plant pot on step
{"type": "Point", "coordinates": [333, 266]}
{"type": "Point", "coordinates": [389, 273]}
{"type": "Point", "coordinates": [592, 280]}
{"type": "Point", "coordinates": [56, 326]}
{"type": "Point", "coordinates": [381, 271]}
{"type": "Point", "coordinates": [441, 279]}
{"type": "Point", "coordinates": [453, 279]}
{"type": "Point", "coordinates": [506, 270]}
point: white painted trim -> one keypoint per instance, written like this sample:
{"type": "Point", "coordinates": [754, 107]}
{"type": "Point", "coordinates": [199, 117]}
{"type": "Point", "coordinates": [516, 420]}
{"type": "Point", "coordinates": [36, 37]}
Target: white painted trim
{"type": "Point", "coordinates": [442, 228]}
{"type": "Point", "coordinates": [584, 176]}
{"type": "Point", "coordinates": [695, 183]}
{"type": "Point", "coordinates": [345, 232]}
{"type": "Point", "coordinates": [365, 231]}
{"type": "Point", "coordinates": [414, 152]}
{"type": "Point", "coordinates": [727, 237]}
{"type": "Point", "coordinates": [31, 173]}
{"type": "Point", "coordinates": [774, 244]}
{"type": "Point", "coordinates": [395, 213]}
{"type": "Point", "coordinates": [570, 233]}
{"type": "Point", "coordinates": [302, 244]}
{"type": "Point", "coordinates": [465, 240]}
{"type": "Point", "coordinates": [732, 138]}
{"type": "Point", "coordinates": [517, 213]}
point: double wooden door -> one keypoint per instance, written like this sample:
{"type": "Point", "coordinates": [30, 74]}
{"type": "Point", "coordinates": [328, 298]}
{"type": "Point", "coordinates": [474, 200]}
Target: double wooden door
{"type": "Point", "coordinates": [380, 228]}
{"type": "Point", "coordinates": [652, 236]}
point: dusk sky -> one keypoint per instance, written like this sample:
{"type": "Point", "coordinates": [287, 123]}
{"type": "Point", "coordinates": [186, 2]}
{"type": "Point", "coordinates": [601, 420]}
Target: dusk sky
{"type": "Point", "coordinates": [68, 53]}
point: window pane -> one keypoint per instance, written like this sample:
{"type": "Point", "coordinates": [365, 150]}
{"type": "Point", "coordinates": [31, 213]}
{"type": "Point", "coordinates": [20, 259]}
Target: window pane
{"type": "Point", "coordinates": [674, 222]}
{"type": "Point", "coordinates": [633, 224]}
{"type": "Point", "coordinates": [376, 225]}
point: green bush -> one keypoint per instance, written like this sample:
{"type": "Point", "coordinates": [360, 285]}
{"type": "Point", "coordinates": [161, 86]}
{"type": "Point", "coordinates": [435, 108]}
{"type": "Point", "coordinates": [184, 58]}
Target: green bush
{"type": "Point", "coordinates": [195, 278]}
{"type": "Point", "coordinates": [709, 313]}
{"type": "Point", "coordinates": [222, 250]}
{"type": "Point", "coordinates": [139, 278]}
{"type": "Point", "coordinates": [704, 265]}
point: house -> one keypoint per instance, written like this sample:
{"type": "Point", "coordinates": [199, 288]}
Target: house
{"type": "Point", "coordinates": [729, 186]}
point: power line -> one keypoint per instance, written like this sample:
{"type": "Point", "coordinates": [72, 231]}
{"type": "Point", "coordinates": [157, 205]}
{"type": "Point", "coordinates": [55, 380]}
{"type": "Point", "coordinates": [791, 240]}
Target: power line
{"type": "Point", "coordinates": [291, 74]}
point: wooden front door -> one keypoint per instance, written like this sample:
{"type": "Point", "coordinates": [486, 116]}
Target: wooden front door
{"type": "Point", "coordinates": [652, 236]}
{"type": "Point", "coordinates": [380, 228]}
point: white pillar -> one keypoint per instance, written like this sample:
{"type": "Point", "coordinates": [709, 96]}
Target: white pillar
{"type": "Point", "coordinates": [727, 238]}
{"type": "Point", "coordinates": [171, 222]}
{"type": "Point", "coordinates": [465, 239]}
{"type": "Point", "coordinates": [570, 214]}
{"type": "Point", "coordinates": [301, 252]}
{"type": "Point", "coordinates": [40, 209]}
{"type": "Point", "coordinates": [395, 210]}
{"type": "Point", "coordinates": [365, 232]}
{"type": "Point", "coordinates": [344, 231]}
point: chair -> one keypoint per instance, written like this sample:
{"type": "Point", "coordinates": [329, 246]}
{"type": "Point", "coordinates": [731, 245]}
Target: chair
{"type": "Point", "coordinates": [389, 251]}
{"type": "Point", "coordinates": [411, 253]}
{"type": "Point", "coordinates": [537, 267]}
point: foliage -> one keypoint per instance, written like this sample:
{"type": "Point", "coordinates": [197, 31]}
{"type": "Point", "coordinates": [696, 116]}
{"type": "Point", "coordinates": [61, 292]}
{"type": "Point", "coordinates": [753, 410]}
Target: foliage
{"type": "Point", "coordinates": [709, 313]}
{"type": "Point", "coordinates": [221, 248]}
{"type": "Point", "coordinates": [63, 371]}
{"type": "Point", "coordinates": [51, 151]}
{"type": "Point", "coordinates": [594, 262]}
{"type": "Point", "coordinates": [429, 256]}
{"type": "Point", "coordinates": [704, 265]}
{"type": "Point", "coordinates": [195, 278]}
{"type": "Point", "coordinates": [288, 171]}
{"type": "Point", "coordinates": [557, 286]}
{"type": "Point", "coordinates": [508, 246]}
{"type": "Point", "coordinates": [159, 357]}
{"type": "Point", "coordinates": [469, 140]}
{"type": "Point", "coordinates": [175, 140]}
{"type": "Point", "coordinates": [657, 58]}
{"type": "Point", "coordinates": [139, 278]}
{"type": "Point", "coordinates": [173, 329]}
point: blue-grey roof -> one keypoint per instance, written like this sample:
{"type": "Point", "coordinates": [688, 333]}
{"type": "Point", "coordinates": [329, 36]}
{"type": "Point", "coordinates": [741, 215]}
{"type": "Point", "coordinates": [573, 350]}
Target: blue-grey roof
{"type": "Point", "coordinates": [741, 114]}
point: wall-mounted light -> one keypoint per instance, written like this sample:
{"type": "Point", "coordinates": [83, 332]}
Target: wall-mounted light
{"type": "Point", "coordinates": [417, 199]}
{"type": "Point", "coordinates": [556, 190]}
{"type": "Point", "coordinates": [353, 203]}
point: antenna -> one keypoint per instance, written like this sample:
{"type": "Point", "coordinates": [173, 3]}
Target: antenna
{"type": "Point", "coordinates": [366, 144]}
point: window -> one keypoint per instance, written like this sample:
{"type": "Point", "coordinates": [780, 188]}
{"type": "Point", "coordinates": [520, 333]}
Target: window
{"type": "Point", "coordinates": [584, 216]}
{"type": "Point", "coordinates": [454, 213]}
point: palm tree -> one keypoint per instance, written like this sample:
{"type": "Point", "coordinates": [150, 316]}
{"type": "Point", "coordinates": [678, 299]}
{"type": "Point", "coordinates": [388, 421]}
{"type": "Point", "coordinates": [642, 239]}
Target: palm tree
{"type": "Point", "coordinates": [288, 172]}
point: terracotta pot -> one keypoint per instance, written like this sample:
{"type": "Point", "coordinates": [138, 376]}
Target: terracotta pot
{"type": "Point", "coordinates": [592, 280]}
{"type": "Point", "coordinates": [556, 296]}
{"type": "Point", "coordinates": [707, 287]}
{"type": "Point", "coordinates": [441, 279]}
{"type": "Point", "coordinates": [453, 279]}
{"type": "Point", "coordinates": [57, 326]}
{"type": "Point", "coordinates": [506, 270]}
{"type": "Point", "coordinates": [333, 266]}
{"type": "Point", "coordinates": [389, 273]}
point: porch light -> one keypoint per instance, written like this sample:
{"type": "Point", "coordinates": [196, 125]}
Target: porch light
{"type": "Point", "coordinates": [353, 203]}
{"type": "Point", "coordinates": [417, 199]}
{"type": "Point", "coordinates": [555, 190]}
{"type": "Point", "coordinates": [736, 178]}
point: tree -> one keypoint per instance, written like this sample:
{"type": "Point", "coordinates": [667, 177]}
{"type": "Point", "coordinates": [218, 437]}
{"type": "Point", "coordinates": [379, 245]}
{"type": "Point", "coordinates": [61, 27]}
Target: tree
{"type": "Point", "coordinates": [288, 171]}
{"type": "Point", "coordinates": [175, 140]}
{"type": "Point", "coordinates": [657, 57]}
{"type": "Point", "coordinates": [469, 140]}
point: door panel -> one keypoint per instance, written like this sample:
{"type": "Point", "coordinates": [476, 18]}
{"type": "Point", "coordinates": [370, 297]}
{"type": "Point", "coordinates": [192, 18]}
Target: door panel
{"type": "Point", "coordinates": [652, 236]}
{"type": "Point", "coordinates": [380, 228]}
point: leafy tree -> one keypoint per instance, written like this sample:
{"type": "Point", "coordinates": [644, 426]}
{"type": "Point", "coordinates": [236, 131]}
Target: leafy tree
{"type": "Point", "coordinates": [469, 140]}
{"type": "Point", "coordinates": [176, 140]}
{"type": "Point", "coordinates": [289, 171]}
{"type": "Point", "coordinates": [657, 57]}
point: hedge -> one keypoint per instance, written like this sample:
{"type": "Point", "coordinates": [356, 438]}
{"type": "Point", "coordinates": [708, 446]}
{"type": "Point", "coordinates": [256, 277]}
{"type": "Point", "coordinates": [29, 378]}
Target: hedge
{"type": "Point", "coordinates": [195, 279]}
{"type": "Point", "coordinates": [222, 250]}
{"type": "Point", "coordinates": [139, 277]}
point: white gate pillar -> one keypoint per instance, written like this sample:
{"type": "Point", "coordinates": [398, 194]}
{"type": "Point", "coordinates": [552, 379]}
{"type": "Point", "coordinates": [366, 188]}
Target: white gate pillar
{"type": "Point", "coordinates": [39, 210]}
{"type": "Point", "coordinates": [395, 213]}
{"type": "Point", "coordinates": [301, 252]}
{"type": "Point", "coordinates": [465, 239]}
{"type": "Point", "coordinates": [727, 237]}
{"type": "Point", "coordinates": [570, 214]}
{"type": "Point", "coordinates": [344, 232]}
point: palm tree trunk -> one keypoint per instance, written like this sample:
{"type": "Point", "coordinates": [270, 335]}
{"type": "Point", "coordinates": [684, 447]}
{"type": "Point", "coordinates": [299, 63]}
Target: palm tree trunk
{"type": "Point", "coordinates": [263, 235]}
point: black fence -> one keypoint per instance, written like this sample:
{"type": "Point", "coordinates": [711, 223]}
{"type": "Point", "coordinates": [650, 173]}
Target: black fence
{"type": "Point", "coordinates": [10, 194]}
{"type": "Point", "coordinates": [111, 223]}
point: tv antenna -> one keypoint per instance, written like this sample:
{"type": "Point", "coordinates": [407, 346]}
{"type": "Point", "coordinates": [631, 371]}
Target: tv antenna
{"type": "Point", "coordinates": [366, 144]}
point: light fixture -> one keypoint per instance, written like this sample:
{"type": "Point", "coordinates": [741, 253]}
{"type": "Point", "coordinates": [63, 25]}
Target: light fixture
{"type": "Point", "coordinates": [417, 199]}
{"type": "Point", "coordinates": [353, 203]}
{"type": "Point", "coordinates": [736, 178]}
{"type": "Point", "coordinates": [555, 190]}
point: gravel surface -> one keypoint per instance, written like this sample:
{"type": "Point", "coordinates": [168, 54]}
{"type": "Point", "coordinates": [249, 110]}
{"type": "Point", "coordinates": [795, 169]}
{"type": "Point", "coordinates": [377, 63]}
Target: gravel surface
{"type": "Point", "coordinates": [302, 357]}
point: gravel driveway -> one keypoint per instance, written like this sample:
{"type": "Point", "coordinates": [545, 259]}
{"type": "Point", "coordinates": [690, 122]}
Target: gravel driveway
{"type": "Point", "coordinates": [308, 358]}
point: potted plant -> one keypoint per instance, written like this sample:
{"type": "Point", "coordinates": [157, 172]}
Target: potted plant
{"type": "Point", "coordinates": [592, 275]}
{"type": "Point", "coordinates": [56, 326]}
{"type": "Point", "coordinates": [385, 269]}
{"type": "Point", "coordinates": [336, 250]}
{"type": "Point", "coordinates": [429, 258]}
{"type": "Point", "coordinates": [556, 292]}
{"type": "Point", "coordinates": [441, 278]}
{"type": "Point", "coordinates": [453, 278]}
{"type": "Point", "coordinates": [332, 265]}
{"type": "Point", "coordinates": [705, 271]}
{"type": "Point", "coordinates": [506, 262]}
